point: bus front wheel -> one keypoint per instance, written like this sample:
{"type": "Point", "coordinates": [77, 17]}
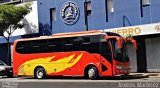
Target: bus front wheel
{"type": "Point", "coordinates": [92, 73]}
{"type": "Point", "coordinates": [39, 73]}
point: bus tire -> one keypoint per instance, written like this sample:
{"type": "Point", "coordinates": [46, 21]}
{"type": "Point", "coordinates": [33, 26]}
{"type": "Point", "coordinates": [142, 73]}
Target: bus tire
{"type": "Point", "coordinates": [92, 73]}
{"type": "Point", "coordinates": [10, 75]}
{"type": "Point", "coordinates": [39, 73]}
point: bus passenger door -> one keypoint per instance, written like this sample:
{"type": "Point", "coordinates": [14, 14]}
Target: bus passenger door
{"type": "Point", "coordinates": [106, 59]}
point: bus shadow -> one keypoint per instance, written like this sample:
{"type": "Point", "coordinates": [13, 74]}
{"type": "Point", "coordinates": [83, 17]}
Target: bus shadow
{"type": "Point", "coordinates": [125, 77]}
{"type": "Point", "coordinates": [59, 77]}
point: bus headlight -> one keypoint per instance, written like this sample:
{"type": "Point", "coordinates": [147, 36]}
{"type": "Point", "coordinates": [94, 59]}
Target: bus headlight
{"type": "Point", "coordinates": [118, 67]}
{"type": "Point", "coordinates": [2, 68]}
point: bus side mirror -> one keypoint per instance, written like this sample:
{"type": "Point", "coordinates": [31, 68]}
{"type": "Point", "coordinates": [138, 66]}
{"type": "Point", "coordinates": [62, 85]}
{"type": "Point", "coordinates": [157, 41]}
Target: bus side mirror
{"type": "Point", "coordinates": [117, 38]}
{"type": "Point", "coordinates": [132, 41]}
{"type": "Point", "coordinates": [119, 42]}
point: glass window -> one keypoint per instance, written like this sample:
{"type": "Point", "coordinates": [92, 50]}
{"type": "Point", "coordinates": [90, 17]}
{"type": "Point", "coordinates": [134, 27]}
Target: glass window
{"type": "Point", "coordinates": [95, 38]}
{"type": "Point", "coordinates": [91, 43]}
{"type": "Point", "coordinates": [77, 43]}
{"type": "Point", "coordinates": [68, 44]}
{"type": "Point", "coordinates": [110, 6]}
{"type": "Point", "coordinates": [86, 39]}
{"type": "Point", "coordinates": [120, 54]}
{"type": "Point", "coordinates": [88, 8]}
{"type": "Point", "coordinates": [34, 46]}
{"type": "Point", "coordinates": [38, 46]}
{"type": "Point", "coordinates": [24, 47]}
{"type": "Point", "coordinates": [55, 45]}
{"type": "Point", "coordinates": [2, 63]}
{"type": "Point", "coordinates": [145, 2]}
{"type": "Point", "coordinates": [82, 43]}
{"type": "Point", "coordinates": [53, 14]}
{"type": "Point", "coordinates": [116, 51]}
{"type": "Point", "coordinates": [125, 52]}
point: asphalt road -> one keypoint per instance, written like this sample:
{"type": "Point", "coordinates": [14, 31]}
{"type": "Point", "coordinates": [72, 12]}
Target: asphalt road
{"type": "Point", "coordinates": [109, 82]}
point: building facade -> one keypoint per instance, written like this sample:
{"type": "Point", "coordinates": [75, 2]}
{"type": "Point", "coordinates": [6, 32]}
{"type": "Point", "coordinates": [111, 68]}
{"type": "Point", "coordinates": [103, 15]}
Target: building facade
{"type": "Point", "coordinates": [14, 1]}
{"type": "Point", "coordinates": [140, 18]}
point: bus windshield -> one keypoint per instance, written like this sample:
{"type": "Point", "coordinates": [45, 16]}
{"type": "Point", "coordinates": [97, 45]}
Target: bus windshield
{"type": "Point", "coordinates": [120, 54]}
{"type": "Point", "coordinates": [2, 63]}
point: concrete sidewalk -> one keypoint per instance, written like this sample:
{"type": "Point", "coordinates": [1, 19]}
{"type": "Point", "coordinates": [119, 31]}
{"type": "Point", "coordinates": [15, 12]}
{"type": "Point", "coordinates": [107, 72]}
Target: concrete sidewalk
{"type": "Point", "coordinates": [149, 75]}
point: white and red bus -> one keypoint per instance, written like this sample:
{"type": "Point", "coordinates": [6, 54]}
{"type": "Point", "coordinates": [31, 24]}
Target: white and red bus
{"type": "Point", "coordinates": [91, 54]}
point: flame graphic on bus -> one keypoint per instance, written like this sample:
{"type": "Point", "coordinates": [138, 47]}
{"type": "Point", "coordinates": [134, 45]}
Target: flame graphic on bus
{"type": "Point", "coordinates": [50, 65]}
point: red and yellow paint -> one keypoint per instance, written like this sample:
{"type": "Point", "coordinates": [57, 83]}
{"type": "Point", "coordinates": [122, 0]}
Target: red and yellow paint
{"type": "Point", "coordinates": [60, 63]}
{"type": "Point", "coordinates": [63, 63]}
{"type": "Point", "coordinates": [50, 64]}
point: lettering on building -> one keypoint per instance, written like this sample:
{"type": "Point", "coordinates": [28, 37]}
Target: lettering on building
{"type": "Point", "coordinates": [128, 31]}
{"type": "Point", "coordinates": [157, 28]}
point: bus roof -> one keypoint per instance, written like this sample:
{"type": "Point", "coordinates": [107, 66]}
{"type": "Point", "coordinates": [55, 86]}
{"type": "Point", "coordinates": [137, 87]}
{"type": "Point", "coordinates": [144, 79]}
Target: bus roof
{"type": "Point", "coordinates": [78, 33]}
{"type": "Point", "coordinates": [63, 35]}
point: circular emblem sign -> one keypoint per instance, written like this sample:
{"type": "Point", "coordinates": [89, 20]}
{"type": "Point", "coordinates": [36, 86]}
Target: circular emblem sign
{"type": "Point", "coordinates": [69, 13]}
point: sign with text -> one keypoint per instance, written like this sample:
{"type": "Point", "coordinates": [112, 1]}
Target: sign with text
{"type": "Point", "coordinates": [137, 30]}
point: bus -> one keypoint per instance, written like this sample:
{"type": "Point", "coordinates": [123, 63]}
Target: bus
{"type": "Point", "coordinates": [91, 54]}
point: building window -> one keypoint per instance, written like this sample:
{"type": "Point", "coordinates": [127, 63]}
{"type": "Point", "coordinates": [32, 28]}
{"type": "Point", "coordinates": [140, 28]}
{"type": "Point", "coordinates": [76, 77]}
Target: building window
{"type": "Point", "coordinates": [89, 8]}
{"type": "Point", "coordinates": [110, 6]}
{"type": "Point", "coordinates": [87, 12]}
{"type": "Point", "coordinates": [145, 2]}
{"type": "Point", "coordinates": [53, 14]}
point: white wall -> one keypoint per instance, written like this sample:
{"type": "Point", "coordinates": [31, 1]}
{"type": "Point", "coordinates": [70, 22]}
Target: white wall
{"type": "Point", "coordinates": [132, 58]}
{"type": "Point", "coordinates": [153, 54]}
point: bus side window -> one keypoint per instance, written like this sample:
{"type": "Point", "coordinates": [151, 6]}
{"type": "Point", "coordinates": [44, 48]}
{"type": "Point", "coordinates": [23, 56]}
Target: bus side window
{"type": "Point", "coordinates": [55, 45]}
{"type": "Point", "coordinates": [72, 44]}
{"type": "Point", "coordinates": [94, 46]}
{"type": "Point", "coordinates": [77, 43]}
{"type": "Point", "coordinates": [23, 47]}
{"type": "Point", "coordinates": [91, 43]}
{"type": "Point", "coordinates": [86, 39]}
{"type": "Point", "coordinates": [38, 46]}
{"type": "Point", "coordinates": [86, 43]}
{"type": "Point", "coordinates": [68, 44]}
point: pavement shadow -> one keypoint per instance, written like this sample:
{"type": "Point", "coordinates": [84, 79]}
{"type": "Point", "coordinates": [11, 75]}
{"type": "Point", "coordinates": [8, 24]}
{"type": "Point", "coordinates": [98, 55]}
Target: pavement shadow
{"type": "Point", "coordinates": [57, 77]}
{"type": "Point", "coordinates": [153, 75]}
{"type": "Point", "coordinates": [122, 77]}
{"type": "Point", "coordinates": [126, 77]}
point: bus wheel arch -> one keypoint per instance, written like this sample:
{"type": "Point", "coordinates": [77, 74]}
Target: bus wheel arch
{"type": "Point", "coordinates": [39, 72]}
{"type": "Point", "coordinates": [91, 72]}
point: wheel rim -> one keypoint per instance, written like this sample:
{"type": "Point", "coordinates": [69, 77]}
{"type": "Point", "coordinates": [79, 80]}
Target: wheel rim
{"type": "Point", "coordinates": [91, 73]}
{"type": "Point", "coordinates": [40, 74]}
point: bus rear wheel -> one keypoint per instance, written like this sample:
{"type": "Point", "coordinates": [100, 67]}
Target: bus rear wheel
{"type": "Point", "coordinates": [39, 73]}
{"type": "Point", "coordinates": [10, 75]}
{"type": "Point", "coordinates": [92, 73]}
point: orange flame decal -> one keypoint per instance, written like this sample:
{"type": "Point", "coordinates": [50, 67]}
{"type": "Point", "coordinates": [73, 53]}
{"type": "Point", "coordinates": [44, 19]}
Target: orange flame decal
{"type": "Point", "coordinates": [50, 65]}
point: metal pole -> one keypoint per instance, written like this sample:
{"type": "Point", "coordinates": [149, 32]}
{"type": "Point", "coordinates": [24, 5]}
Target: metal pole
{"type": "Point", "coordinates": [85, 13]}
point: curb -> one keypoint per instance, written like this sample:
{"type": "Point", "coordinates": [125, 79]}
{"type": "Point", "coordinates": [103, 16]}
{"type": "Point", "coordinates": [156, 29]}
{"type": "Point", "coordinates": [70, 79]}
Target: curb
{"type": "Point", "coordinates": [149, 75]}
